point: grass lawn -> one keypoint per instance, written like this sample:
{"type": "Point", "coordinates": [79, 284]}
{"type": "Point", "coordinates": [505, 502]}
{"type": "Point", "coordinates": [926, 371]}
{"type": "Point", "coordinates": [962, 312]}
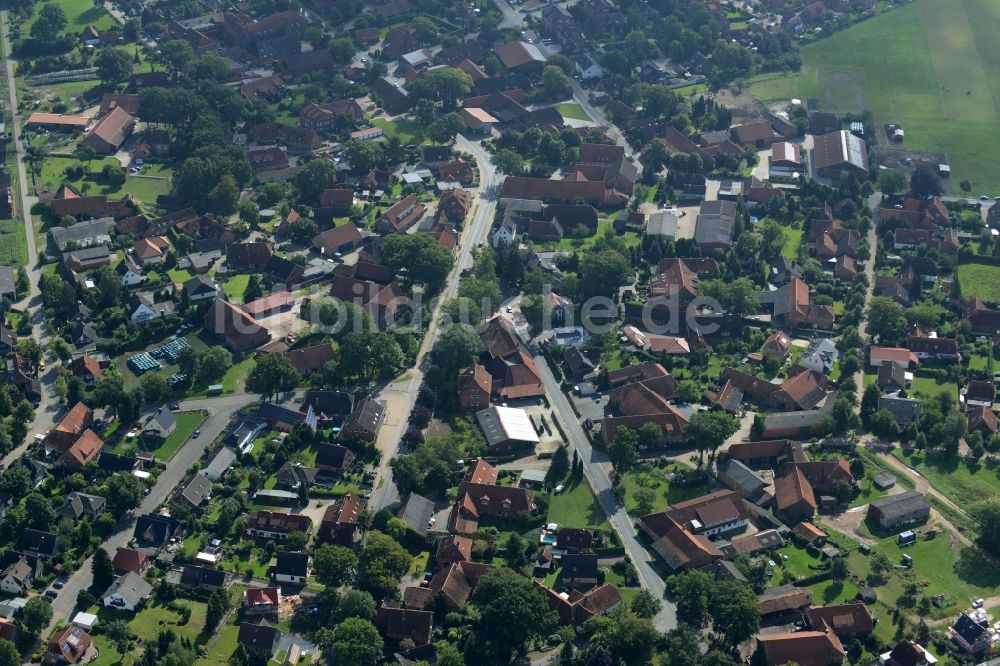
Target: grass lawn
{"type": "Point", "coordinates": [187, 423]}
{"type": "Point", "coordinates": [692, 89]}
{"type": "Point", "coordinates": [54, 175]}
{"type": "Point", "coordinates": [179, 275]}
{"type": "Point", "coordinates": [961, 482]}
{"type": "Point", "coordinates": [938, 568]}
{"type": "Point", "coordinates": [774, 88]}
{"type": "Point", "coordinates": [833, 592]}
{"type": "Point", "coordinates": [146, 625]}
{"type": "Point", "coordinates": [258, 561]}
{"type": "Point", "coordinates": [798, 563]}
{"type": "Point", "coordinates": [667, 492]}
{"type": "Point", "coordinates": [572, 111]}
{"type": "Point", "coordinates": [235, 286]}
{"type": "Point", "coordinates": [980, 362]}
{"type": "Point", "coordinates": [942, 91]}
{"type": "Point", "coordinates": [793, 239]}
{"type": "Point", "coordinates": [867, 490]}
{"type": "Point", "coordinates": [419, 563]}
{"type": "Point", "coordinates": [929, 387]}
{"type": "Point", "coordinates": [222, 646]}
{"type": "Point", "coordinates": [570, 243]}
{"type": "Point", "coordinates": [73, 89]}
{"type": "Point", "coordinates": [146, 188]}
{"type": "Point", "coordinates": [576, 506]}
{"type": "Point", "coordinates": [408, 131]}
{"type": "Point", "coordinates": [629, 594]}
{"type": "Point", "coordinates": [982, 278]}
{"type": "Point", "coordinates": [79, 14]}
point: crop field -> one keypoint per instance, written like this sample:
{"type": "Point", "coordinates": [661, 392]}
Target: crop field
{"type": "Point", "coordinates": [932, 66]}
{"type": "Point", "coordinates": [13, 245]}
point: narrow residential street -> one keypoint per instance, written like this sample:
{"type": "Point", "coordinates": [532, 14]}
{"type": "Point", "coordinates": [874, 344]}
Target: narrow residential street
{"type": "Point", "coordinates": [595, 473]}
{"type": "Point", "coordinates": [874, 201]}
{"type": "Point", "coordinates": [48, 410]}
{"type": "Point", "coordinates": [220, 413]}
{"type": "Point", "coordinates": [401, 394]}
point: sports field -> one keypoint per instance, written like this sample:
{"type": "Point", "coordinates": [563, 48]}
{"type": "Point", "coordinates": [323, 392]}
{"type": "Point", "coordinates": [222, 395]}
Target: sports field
{"type": "Point", "coordinates": [932, 66]}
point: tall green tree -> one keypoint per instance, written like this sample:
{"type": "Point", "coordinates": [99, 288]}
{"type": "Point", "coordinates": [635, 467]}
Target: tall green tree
{"type": "Point", "coordinates": [36, 614]}
{"type": "Point", "coordinates": [511, 611]}
{"type": "Point", "coordinates": [735, 613]}
{"type": "Point", "coordinates": [457, 348]}
{"type": "Point", "coordinates": [382, 564]}
{"type": "Point", "coordinates": [623, 450]}
{"type": "Point", "coordinates": [602, 273]}
{"type": "Point", "coordinates": [125, 493]}
{"type": "Point", "coordinates": [886, 319]}
{"type": "Point", "coordinates": [113, 66]}
{"type": "Point", "coordinates": [709, 430]}
{"type": "Point", "coordinates": [273, 373]}
{"type": "Point", "coordinates": [356, 642]}
{"type": "Point", "coordinates": [120, 635]}
{"type": "Point", "coordinates": [419, 257]}
{"type": "Point", "coordinates": [9, 656]}
{"type": "Point", "coordinates": [103, 571]}
{"type": "Point", "coordinates": [218, 604]}
{"type": "Point", "coordinates": [50, 22]}
{"type": "Point", "coordinates": [334, 565]}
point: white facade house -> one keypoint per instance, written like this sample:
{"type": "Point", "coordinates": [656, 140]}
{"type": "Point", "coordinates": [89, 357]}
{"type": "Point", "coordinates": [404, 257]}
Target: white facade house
{"type": "Point", "coordinates": [588, 68]}
{"type": "Point", "coordinates": [821, 356]}
{"type": "Point", "coordinates": [128, 592]}
{"type": "Point", "coordinates": [130, 273]}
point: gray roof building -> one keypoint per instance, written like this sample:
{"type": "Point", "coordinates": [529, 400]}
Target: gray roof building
{"type": "Point", "coordinates": [737, 476]}
{"type": "Point", "coordinates": [129, 589]}
{"type": "Point", "coordinates": [219, 464]}
{"type": "Point", "coordinates": [662, 224]}
{"type": "Point", "coordinates": [897, 510]}
{"type": "Point", "coordinates": [714, 227]}
{"type": "Point", "coordinates": [416, 513]}
{"type": "Point", "coordinates": [821, 355]}
{"type": "Point", "coordinates": [93, 232]}
{"type": "Point", "coordinates": [161, 424]}
{"type": "Point", "coordinates": [294, 475]}
{"type": "Point", "coordinates": [197, 490]}
{"type": "Point", "coordinates": [79, 505]}
{"type": "Point", "coordinates": [904, 410]}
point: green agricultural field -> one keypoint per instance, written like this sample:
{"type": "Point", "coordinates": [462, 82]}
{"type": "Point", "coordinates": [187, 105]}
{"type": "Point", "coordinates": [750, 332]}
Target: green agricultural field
{"type": "Point", "coordinates": [980, 279]}
{"type": "Point", "coordinates": [13, 244]}
{"type": "Point", "coordinates": [932, 66]}
{"type": "Point", "coordinates": [572, 111]}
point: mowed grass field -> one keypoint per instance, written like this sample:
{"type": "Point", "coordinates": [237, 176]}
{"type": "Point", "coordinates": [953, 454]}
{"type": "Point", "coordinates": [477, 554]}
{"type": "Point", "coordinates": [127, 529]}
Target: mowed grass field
{"type": "Point", "coordinates": [79, 15]}
{"type": "Point", "coordinates": [981, 279]}
{"type": "Point", "coordinates": [932, 66]}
